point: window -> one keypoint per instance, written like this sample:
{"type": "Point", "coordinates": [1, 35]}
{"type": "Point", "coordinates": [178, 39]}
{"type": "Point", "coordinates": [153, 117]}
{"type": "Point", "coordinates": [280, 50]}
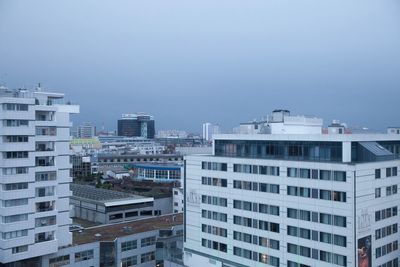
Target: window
{"type": "Point", "coordinates": [213, 215]}
{"type": "Point", "coordinates": [15, 202]}
{"type": "Point", "coordinates": [388, 172]}
{"type": "Point", "coordinates": [339, 176]}
{"type": "Point", "coordinates": [59, 261]}
{"type": "Point", "coordinates": [148, 241]}
{"type": "Point", "coordinates": [214, 245]}
{"type": "Point", "coordinates": [20, 249]}
{"type": "Point", "coordinates": [84, 255]}
{"type": "Point", "coordinates": [15, 107]}
{"type": "Point", "coordinates": [325, 175]}
{"type": "Point", "coordinates": [45, 191]}
{"type": "Point", "coordinates": [16, 155]}
{"type": "Point", "coordinates": [15, 218]}
{"type": "Point", "coordinates": [214, 166]}
{"type": "Point", "coordinates": [45, 176]}
{"type": "Point", "coordinates": [15, 186]}
{"type": "Point", "coordinates": [15, 123]}
{"type": "Point", "coordinates": [377, 173]}
{"type": "Point", "coordinates": [45, 221]}
{"type": "Point", "coordinates": [132, 261]}
{"type": "Point", "coordinates": [14, 234]}
{"type": "Point", "coordinates": [15, 139]}
{"type": "Point", "coordinates": [214, 181]}
{"type": "Point", "coordinates": [211, 200]}
{"type": "Point", "coordinates": [377, 192]}
{"type": "Point", "coordinates": [17, 170]}
{"type": "Point", "coordinates": [128, 245]}
{"type": "Point", "coordinates": [214, 230]}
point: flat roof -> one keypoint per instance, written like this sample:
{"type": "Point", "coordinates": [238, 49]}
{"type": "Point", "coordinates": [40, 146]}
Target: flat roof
{"type": "Point", "coordinates": [107, 197]}
{"type": "Point", "coordinates": [309, 137]}
{"type": "Point", "coordinates": [116, 155]}
{"type": "Point", "coordinates": [110, 232]}
{"type": "Point", "coordinates": [164, 167]}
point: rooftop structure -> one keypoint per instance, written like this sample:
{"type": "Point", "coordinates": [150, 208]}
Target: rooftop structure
{"type": "Point", "coordinates": [111, 206]}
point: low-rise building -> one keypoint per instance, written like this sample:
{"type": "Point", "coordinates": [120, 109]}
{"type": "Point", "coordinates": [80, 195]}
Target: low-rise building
{"type": "Point", "coordinates": [136, 243]}
{"type": "Point", "coordinates": [107, 161]}
{"type": "Point", "coordinates": [109, 206]}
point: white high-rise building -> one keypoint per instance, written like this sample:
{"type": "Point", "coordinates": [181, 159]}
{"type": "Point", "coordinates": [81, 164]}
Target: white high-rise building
{"type": "Point", "coordinates": [35, 174]}
{"type": "Point", "coordinates": [294, 200]}
{"type": "Point", "coordinates": [209, 130]}
{"type": "Point", "coordinates": [86, 130]}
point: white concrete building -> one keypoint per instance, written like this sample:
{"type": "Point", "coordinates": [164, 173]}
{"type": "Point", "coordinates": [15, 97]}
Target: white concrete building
{"type": "Point", "coordinates": [393, 130]}
{"type": "Point", "coordinates": [86, 130]}
{"type": "Point", "coordinates": [209, 130]}
{"type": "Point", "coordinates": [35, 174]}
{"type": "Point", "coordinates": [294, 200]}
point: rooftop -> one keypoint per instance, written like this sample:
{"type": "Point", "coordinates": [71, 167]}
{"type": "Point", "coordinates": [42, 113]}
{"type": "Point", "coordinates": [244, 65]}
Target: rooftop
{"type": "Point", "coordinates": [104, 196]}
{"type": "Point", "coordinates": [309, 137]}
{"type": "Point", "coordinates": [111, 232]}
{"type": "Point", "coordinates": [155, 166]}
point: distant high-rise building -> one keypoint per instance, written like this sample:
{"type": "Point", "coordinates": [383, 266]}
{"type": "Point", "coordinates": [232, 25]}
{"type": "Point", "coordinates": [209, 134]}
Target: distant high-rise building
{"type": "Point", "coordinates": [34, 175]}
{"type": "Point", "coordinates": [293, 196]}
{"type": "Point", "coordinates": [86, 130]}
{"type": "Point", "coordinates": [209, 130]}
{"type": "Point", "coordinates": [136, 125]}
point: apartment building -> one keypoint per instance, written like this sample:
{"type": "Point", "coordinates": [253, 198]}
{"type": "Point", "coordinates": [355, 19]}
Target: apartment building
{"type": "Point", "coordinates": [34, 175]}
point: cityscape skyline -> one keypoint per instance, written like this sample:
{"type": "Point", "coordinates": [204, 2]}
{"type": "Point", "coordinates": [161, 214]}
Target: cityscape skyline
{"type": "Point", "coordinates": [190, 134]}
{"type": "Point", "coordinates": [226, 67]}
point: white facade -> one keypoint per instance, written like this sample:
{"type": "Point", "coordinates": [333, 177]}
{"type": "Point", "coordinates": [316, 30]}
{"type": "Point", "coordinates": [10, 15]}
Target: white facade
{"type": "Point", "coordinates": [86, 130]}
{"type": "Point", "coordinates": [393, 130]}
{"type": "Point", "coordinates": [34, 176]}
{"type": "Point", "coordinates": [177, 199]}
{"type": "Point", "coordinates": [261, 210]}
{"type": "Point", "coordinates": [209, 130]}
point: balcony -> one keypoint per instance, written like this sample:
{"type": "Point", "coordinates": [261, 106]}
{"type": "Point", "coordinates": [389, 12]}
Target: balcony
{"type": "Point", "coordinates": [44, 146]}
{"type": "Point", "coordinates": [44, 115]}
{"type": "Point", "coordinates": [44, 237]}
{"type": "Point", "coordinates": [46, 131]}
{"type": "Point", "coordinates": [45, 206]}
{"type": "Point", "coordinates": [45, 191]}
{"type": "Point", "coordinates": [44, 161]}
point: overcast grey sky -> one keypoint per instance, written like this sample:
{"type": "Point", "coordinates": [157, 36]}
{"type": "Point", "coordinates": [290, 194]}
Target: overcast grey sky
{"type": "Point", "coordinates": [225, 61]}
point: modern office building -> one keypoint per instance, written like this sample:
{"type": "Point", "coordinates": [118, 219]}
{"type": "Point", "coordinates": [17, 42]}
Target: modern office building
{"type": "Point", "coordinates": [81, 166]}
{"type": "Point", "coordinates": [294, 200]}
{"type": "Point", "coordinates": [34, 176]}
{"type": "Point", "coordinates": [86, 130]}
{"type": "Point", "coordinates": [136, 125]}
{"type": "Point", "coordinates": [209, 130]}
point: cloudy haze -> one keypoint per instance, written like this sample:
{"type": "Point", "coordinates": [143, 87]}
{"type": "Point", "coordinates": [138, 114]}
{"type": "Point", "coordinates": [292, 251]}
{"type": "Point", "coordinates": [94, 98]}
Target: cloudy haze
{"type": "Point", "coordinates": [187, 62]}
